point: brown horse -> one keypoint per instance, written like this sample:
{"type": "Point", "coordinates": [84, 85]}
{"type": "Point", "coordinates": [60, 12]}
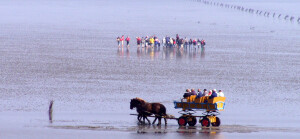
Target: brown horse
{"type": "Point", "coordinates": [145, 109]}
{"type": "Point", "coordinates": [136, 103]}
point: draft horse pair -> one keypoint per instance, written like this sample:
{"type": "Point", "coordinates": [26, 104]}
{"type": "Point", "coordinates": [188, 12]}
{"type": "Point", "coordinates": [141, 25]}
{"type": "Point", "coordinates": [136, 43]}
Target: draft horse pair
{"type": "Point", "coordinates": [145, 109]}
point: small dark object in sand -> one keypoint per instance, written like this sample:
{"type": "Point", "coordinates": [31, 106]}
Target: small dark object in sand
{"type": "Point", "coordinates": [50, 111]}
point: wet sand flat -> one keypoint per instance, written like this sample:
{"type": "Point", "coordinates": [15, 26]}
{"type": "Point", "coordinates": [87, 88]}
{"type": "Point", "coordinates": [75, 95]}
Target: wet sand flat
{"type": "Point", "coordinates": [70, 125]}
{"type": "Point", "coordinates": [66, 51]}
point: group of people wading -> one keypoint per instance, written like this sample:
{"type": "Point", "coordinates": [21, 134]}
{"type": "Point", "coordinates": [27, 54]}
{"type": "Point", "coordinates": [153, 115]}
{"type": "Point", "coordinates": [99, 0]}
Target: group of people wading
{"type": "Point", "coordinates": [167, 41]}
{"type": "Point", "coordinates": [121, 39]}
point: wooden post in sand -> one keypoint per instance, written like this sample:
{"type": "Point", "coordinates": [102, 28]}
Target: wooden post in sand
{"type": "Point", "coordinates": [50, 111]}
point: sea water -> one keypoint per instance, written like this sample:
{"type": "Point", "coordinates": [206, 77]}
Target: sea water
{"type": "Point", "coordinates": [66, 51]}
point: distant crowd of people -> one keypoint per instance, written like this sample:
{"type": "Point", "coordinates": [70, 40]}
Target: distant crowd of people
{"type": "Point", "coordinates": [211, 93]}
{"type": "Point", "coordinates": [183, 42]}
{"type": "Point", "coordinates": [151, 41]}
{"type": "Point", "coordinates": [167, 41]}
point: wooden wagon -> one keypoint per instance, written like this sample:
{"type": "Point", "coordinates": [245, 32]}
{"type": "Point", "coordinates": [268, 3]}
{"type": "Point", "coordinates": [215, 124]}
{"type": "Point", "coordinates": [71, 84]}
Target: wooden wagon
{"type": "Point", "coordinates": [190, 105]}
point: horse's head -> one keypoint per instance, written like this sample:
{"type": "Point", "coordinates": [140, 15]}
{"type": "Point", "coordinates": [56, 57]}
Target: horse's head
{"type": "Point", "coordinates": [136, 102]}
{"type": "Point", "coordinates": [133, 103]}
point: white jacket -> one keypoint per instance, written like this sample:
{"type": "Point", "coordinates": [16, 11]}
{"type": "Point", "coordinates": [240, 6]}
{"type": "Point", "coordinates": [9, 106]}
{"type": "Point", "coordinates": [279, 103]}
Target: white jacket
{"type": "Point", "coordinates": [220, 94]}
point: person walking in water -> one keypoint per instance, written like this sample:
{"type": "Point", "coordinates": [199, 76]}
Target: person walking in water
{"type": "Point", "coordinates": [190, 43]}
{"type": "Point", "coordinates": [174, 42]}
{"type": "Point", "coordinates": [164, 41]}
{"type": "Point", "coordinates": [122, 40]}
{"type": "Point", "coordinates": [168, 43]}
{"type": "Point", "coordinates": [194, 43]}
{"type": "Point", "coordinates": [143, 42]}
{"type": "Point", "coordinates": [127, 40]}
{"type": "Point", "coordinates": [202, 43]}
{"type": "Point", "coordinates": [118, 40]}
{"type": "Point", "coordinates": [171, 42]}
{"type": "Point", "coordinates": [138, 41]}
{"type": "Point", "coordinates": [198, 42]}
{"type": "Point", "coordinates": [146, 41]}
{"type": "Point", "coordinates": [151, 41]}
{"type": "Point", "coordinates": [186, 42]}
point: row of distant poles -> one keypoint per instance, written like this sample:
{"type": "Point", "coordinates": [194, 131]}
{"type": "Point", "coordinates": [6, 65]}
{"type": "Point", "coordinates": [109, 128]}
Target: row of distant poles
{"type": "Point", "coordinates": [252, 11]}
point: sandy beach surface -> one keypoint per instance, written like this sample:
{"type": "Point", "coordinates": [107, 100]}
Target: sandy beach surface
{"type": "Point", "coordinates": [66, 51]}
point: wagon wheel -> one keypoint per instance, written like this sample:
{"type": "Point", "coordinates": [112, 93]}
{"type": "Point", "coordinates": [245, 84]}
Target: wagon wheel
{"type": "Point", "coordinates": [205, 122]}
{"type": "Point", "coordinates": [217, 123]}
{"type": "Point", "coordinates": [192, 121]}
{"type": "Point", "coordinates": [182, 121]}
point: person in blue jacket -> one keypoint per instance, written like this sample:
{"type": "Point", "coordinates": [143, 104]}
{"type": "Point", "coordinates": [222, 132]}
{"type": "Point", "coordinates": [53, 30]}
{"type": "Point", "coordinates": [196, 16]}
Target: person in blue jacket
{"type": "Point", "coordinates": [200, 94]}
{"type": "Point", "coordinates": [214, 94]}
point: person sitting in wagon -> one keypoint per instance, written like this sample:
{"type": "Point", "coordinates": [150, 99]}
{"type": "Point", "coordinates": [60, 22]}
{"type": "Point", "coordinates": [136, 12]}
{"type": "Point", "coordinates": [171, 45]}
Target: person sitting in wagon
{"type": "Point", "coordinates": [213, 94]}
{"type": "Point", "coordinates": [193, 92]}
{"type": "Point", "coordinates": [205, 93]}
{"type": "Point", "coordinates": [200, 94]}
{"type": "Point", "coordinates": [187, 93]}
{"type": "Point", "coordinates": [221, 94]}
{"type": "Point", "coordinates": [209, 92]}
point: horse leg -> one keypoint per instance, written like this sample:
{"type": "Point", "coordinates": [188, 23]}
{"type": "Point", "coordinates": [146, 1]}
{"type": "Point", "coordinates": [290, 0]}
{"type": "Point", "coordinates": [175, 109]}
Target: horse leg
{"type": "Point", "coordinates": [144, 117]}
{"type": "Point", "coordinates": [154, 120]}
{"type": "Point", "coordinates": [165, 121]}
{"type": "Point", "coordinates": [139, 118]}
{"type": "Point", "coordinates": [149, 122]}
{"type": "Point", "coordinates": [159, 121]}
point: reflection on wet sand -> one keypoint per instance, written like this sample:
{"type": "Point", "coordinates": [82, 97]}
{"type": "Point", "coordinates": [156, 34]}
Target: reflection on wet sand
{"type": "Point", "coordinates": [153, 128]}
{"type": "Point", "coordinates": [184, 131]}
{"type": "Point", "coordinates": [120, 52]}
{"type": "Point", "coordinates": [205, 132]}
{"type": "Point", "coordinates": [166, 52]}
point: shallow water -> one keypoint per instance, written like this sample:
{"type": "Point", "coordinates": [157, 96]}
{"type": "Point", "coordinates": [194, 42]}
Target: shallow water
{"type": "Point", "coordinates": [66, 52]}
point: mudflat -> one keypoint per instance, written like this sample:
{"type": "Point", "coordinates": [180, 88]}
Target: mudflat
{"type": "Point", "coordinates": [66, 51]}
